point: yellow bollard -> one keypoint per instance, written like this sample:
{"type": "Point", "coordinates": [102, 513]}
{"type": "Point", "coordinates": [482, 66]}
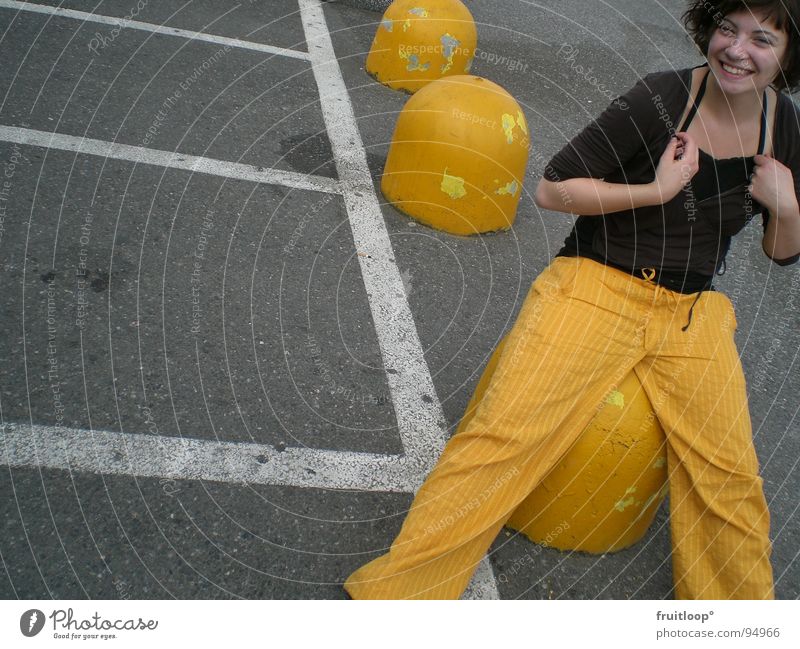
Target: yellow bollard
{"type": "Point", "coordinates": [458, 156]}
{"type": "Point", "coordinates": [603, 494]}
{"type": "Point", "coordinates": [419, 41]}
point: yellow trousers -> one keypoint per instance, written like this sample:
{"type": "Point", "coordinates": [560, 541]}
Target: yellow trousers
{"type": "Point", "coordinates": [583, 327]}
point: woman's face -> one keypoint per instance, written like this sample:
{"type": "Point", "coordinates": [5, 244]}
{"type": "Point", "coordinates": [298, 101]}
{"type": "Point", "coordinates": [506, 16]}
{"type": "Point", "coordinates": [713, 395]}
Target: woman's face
{"type": "Point", "coordinates": [745, 52]}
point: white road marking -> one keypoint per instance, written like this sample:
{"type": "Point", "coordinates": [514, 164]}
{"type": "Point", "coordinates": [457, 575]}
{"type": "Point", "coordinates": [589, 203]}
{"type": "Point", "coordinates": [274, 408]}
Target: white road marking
{"type": "Point", "coordinates": [420, 418]}
{"type": "Point", "coordinates": [159, 456]}
{"type": "Point", "coordinates": [171, 159]}
{"type": "Point", "coordinates": [174, 458]}
{"type": "Point", "coordinates": [483, 584]}
{"type": "Point", "coordinates": [421, 422]}
{"type": "Point", "coordinates": [152, 27]}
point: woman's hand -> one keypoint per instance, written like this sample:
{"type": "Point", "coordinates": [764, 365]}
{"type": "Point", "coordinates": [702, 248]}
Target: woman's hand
{"type": "Point", "coordinates": [677, 166]}
{"type": "Point", "coordinates": [772, 185]}
{"type": "Point", "coordinates": [593, 196]}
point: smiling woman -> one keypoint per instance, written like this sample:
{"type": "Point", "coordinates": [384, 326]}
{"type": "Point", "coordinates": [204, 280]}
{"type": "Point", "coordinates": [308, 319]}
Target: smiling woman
{"type": "Point", "coordinates": [658, 205]}
{"type": "Point", "coordinates": [776, 30]}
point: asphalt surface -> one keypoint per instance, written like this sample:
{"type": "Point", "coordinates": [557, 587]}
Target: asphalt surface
{"type": "Point", "coordinates": [271, 340]}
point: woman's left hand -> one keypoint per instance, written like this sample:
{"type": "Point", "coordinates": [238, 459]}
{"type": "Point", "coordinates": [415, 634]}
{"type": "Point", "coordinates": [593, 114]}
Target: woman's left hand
{"type": "Point", "coordinates": [772, 185]}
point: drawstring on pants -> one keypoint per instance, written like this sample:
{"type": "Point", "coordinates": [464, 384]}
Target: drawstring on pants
{"type": "Point", "coordinates": [723, 266]}
{"type": "Point", "coordinates": [691, 308]}
{"type": "Point", "coordinates": [649, 275]}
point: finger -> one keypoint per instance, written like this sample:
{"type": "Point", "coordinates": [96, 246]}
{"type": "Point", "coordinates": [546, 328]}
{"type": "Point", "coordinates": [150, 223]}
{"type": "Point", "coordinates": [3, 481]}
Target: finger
{"type": "Point", "coordinates": [669, 151]}
{"type": "Point", "coordinates": [689, 145]}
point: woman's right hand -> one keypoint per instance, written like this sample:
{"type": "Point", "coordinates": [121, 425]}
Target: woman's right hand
{"type": "Point", "coordinates": [678, 164]}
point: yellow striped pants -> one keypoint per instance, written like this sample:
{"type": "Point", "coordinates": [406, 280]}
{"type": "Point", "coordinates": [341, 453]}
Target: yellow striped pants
{"type": "Point", "coordinates": [583, 327]}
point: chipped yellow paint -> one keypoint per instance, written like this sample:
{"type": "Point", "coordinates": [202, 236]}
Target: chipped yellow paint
{"type": "Point", "coordinates": [435, 133]}
{"type": "Point", "coordinates": [626, 502]}
{"type": "Point", "coordinates": [521, 122]}
{"type": "Point", "coordinates": [508, 127]}
{"type": "Point", "coordinates": [413, 61]}
{"type": "Point", "coordinates": [660, 462]}
{"type": "Point", "coordinates": [510, 189]}
{"type": "Point", "coordinates": [616, 398]}
{"type": "Point", "coordinates": [453, 186]}
{"type": "Point", "coordinates": [449, 45]}
{"type": "Point", "coordinates": [658, 495]}
{"type": "Point", "coordinates": [423, 27]}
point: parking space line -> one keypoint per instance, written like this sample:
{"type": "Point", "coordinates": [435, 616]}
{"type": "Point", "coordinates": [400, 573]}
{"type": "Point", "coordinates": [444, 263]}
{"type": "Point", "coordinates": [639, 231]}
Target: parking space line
{"type": "Point", "coordinates": [420, 419]}
{"type": "Point", "coordinates": [152, 27]}
{"type": "Point", "coordinates": [171, 159]}
{"type": "Point", "coordinates": [176, 458]}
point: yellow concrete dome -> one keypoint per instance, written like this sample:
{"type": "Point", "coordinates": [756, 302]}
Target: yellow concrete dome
{"type": "Point", "coordinates": [458, 156]}
{"type": "Point", "coordinates": [603, 494]}
{"type": "Point", "coordinates": [419, 41]}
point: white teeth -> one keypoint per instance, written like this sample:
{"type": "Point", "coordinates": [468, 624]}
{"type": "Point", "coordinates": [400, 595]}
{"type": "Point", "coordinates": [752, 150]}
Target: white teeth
{"type": "Point", "coordinates": [737, 71]}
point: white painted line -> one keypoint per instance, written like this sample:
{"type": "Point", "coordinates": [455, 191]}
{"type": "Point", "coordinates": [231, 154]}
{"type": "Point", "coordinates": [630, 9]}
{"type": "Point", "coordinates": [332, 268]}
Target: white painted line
{"type": "Point", "coordinates": [483, 584]}
{"type": "Point", "coordinates": [174, 458]}
{"type": "Point", "coordinates": [152, 27]}
{"type": "Point", "coordinates": [420, 418]}
{"type": "Point", "coordinates": [170, 159]}
{"type": "Point", "coordinates": [154, 456]}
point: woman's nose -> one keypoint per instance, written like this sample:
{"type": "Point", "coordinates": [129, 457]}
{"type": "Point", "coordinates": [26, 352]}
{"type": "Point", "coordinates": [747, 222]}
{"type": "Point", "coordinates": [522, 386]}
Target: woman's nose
{"type": "Point", "coordinates": [735, 49]}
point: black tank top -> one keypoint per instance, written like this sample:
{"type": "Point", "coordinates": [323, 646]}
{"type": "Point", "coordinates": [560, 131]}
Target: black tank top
{"type": "Point", "coordinates": [717, 176]}
{"type": "Point", "coordinates": [713, 177]}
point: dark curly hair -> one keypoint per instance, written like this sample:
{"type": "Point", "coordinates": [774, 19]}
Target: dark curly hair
{"type": "Point", "coordinates": [703, 16]}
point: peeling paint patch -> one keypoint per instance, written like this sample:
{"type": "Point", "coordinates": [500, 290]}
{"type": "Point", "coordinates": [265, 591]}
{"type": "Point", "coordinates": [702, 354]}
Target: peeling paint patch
{"type": "Point", "coordinates": [626, 502]}
{"type": "Point", "coordinates": [453, 186]}
{"type": "Point", "coordinates": [510, 189]}
{"type": "Point", "coordinates": [616, 398]}
{"type": "Point", "coordinates": [508, 127]}
{"type": "Point", "coordinates": [449, 45]}
{"type": "Point", "coordinates": [521, 122]}
{"type": "Point", "coordinates": [387, 24]}
{"type": "Point", "coordinates": [419, 11]}
{"type": "Point", "coordinates": [413, 61]}
{"type": "Point", "coordinates": [414, 64]}
{"type": "Point", "coordinates": [659, 462]}
{"type": "Point", "coordinates": [658, 495]}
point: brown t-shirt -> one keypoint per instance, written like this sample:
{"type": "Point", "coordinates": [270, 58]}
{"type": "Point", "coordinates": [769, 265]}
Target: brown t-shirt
{"type": "Point", "coordinates": [687, 235]}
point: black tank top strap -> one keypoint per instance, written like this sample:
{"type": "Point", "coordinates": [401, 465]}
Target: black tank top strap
{"type": "Point", "coordinates": [762, 140]}
{"type": "Point", "coordinates": [696, 103]}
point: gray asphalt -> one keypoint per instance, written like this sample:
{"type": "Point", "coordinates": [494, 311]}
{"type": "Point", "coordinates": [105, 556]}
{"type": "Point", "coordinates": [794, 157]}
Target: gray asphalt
{"type": "Point", "coordinates": [267, 289]}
